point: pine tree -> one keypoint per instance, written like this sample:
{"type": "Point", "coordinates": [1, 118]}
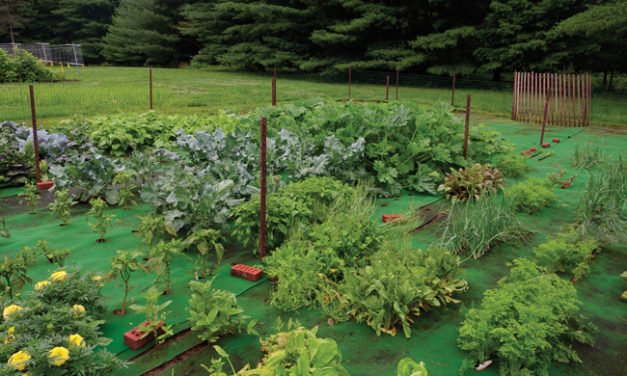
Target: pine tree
{"type": "Point", "coordinates": [85, 22]}
{"type": "Point", "coordinates": [13, 18]}
{"type": "Point", "coordinates": [144, 33]}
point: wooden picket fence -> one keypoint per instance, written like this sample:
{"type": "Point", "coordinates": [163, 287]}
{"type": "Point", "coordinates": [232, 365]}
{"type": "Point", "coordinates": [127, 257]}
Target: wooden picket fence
{"type": "Point", "coordinates": [568, 97]}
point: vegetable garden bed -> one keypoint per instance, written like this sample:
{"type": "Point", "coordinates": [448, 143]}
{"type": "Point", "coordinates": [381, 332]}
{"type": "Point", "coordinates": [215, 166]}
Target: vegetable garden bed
{"type": "Point", "coordinates": [434, 333]}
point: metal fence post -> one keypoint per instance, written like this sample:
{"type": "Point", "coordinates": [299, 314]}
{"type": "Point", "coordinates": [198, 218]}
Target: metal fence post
{"type": "Point", "coordinates": [262, 194]}
{"type": "Point", "coordinates": [35, 141]}
{"type": "Point", "coordinates": [76, 61]}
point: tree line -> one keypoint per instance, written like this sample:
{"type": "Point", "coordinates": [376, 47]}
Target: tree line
{"type": "Point", "coordinates": [436, 36]}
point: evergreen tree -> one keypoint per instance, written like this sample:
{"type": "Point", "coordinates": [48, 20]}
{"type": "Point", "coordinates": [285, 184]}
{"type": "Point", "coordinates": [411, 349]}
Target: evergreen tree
{"type": "Point", "coordinates": [13, 18]}
{"type": "Point", "coordinates": [85, 22]}
{"type": "Point", "coordinates": [144, 33]}
{"type": "Point", "coordinates": [513, 35]}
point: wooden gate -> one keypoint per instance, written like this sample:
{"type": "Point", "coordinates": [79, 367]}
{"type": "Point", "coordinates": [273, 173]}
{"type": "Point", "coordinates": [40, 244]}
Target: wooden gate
{"type": "Point", "coordinates": [568, 97]}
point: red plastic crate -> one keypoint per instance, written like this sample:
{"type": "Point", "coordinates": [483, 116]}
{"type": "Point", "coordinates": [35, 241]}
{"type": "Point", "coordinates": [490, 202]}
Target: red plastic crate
{"type": "Point", "coordinates": [246, 272]}
{"type": "Point", "coordinates": [133, 338]}
{"type": "Point", "coordinates": [390, 217]}
{"type": "Point", "coordinates": [533, 149]}
{"type": "Point", "coordinates": [556, 140]}
{"type": "Point", "coordinates": [546, 145]}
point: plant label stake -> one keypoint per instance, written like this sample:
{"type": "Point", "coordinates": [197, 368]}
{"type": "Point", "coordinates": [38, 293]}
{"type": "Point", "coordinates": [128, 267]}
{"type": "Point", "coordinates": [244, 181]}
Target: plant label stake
{"type": "Point", "coordinates": [262, 194]}
{"type": "Point", "coordinates": [387, 88]}
{"type": "Point", "coordinates": [453, 92]}
{"type": "Point", "coordinates": [274, 88]}
{"type": "Point", "coordinates": [396, 83]}
{"type": "Point", "coordinates": [150, 79]}
{"type": "Point", "coordinates": [546, 107]}
{"type": "Point", "coordinates": [35, 141]}
{"type": "Point", "coordinates": [350, 71]}
{"type": "Point", "coordinates": [466, 129]}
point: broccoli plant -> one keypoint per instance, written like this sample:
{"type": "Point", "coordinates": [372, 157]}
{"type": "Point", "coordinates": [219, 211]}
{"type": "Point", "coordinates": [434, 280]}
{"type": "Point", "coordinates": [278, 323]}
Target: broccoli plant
{"type": "Point", "coordinates": [103, 221]}
{"type": "Point", "coordinates": [30, 197]}
{"type": "Point", "coordinates": [61, 206]}
{"type": "Point", "coordinates": [123, 264]}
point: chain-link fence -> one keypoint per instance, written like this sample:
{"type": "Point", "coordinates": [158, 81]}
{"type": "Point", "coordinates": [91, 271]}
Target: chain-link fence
{"type": "Point", "coordinates": [67, 54]}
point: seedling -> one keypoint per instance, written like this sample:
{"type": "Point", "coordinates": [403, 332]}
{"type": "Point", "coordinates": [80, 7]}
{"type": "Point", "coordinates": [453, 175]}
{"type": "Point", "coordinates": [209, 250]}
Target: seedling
{"type": "Point", "coordinates": [55, 256]}
{"type": "Point", "coordinates": [30, 197]}
{"type": "Point", "coordinates": [122, 265]}
{"type": "Point", "coordinates": [61, 206]}
{"type": "Point", "coordinates": [103, 221]}
{"type": "Point", "coordinates": [206, 241]}
{"type": "Point", "coordinates": [127, 190]}
{"type": "Point", "coordinates": [13, 273]}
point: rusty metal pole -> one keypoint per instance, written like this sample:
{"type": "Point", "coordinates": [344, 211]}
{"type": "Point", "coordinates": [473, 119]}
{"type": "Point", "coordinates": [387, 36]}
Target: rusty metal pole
{"type": "Point", "coordinates": [35, 141]}
{"type": "Point", "coordinates": [453, 93]}
{"type": "Point", "coordinates": [150, 75]}
{"type": "Point", "coordinates": [467, 125]}
{"type": "Point", "coordinates": [262, 194]}
{"type": "Point", "coordinates": [350, 72]}
{"type": "Point", "coordinates": [546, 106]}
{"type": "Point", "coordinates": [274, 88]}
{"type": "Point", "coordinates": [387, 88]}
{"type": "Point", "coordinates": [396, 83]}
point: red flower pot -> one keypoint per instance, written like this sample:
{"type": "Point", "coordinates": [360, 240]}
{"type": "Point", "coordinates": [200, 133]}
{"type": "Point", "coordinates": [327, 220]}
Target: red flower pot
{"type": "Point", "coordinates": [133, 338]}
{"type": "Point", "coordinates": [45, 185]}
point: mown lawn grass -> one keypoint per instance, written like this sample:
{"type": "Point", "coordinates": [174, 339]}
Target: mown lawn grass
{"type": "Point", "coordinates": [106, 90]}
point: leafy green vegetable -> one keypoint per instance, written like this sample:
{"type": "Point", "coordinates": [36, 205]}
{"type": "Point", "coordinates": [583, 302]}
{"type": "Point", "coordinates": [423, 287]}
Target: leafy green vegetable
{"type": "Point", "coordinates": [471, 182]}
{"type": "Point", "coordinates": [531, 195]}
{"type": "Point", "coordinates": [569, 252]}
{"type": "Point", "coordinates": [529, 320]}
{"type": "Point", "coordinates": [512, 165]}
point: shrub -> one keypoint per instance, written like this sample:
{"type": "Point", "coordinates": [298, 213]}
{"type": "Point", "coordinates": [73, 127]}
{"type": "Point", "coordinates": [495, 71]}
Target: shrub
{"type": "Point", "coordinates": [471, 182]}
{"type": "Point", "coordinates": [530, 319]}
{"type": "Point", "coordinates": [24, 67]}
{"type": "Point", "coordinates": [215, 312]}
{"type": "Point", "coordinates": [567, 252]}
{"type": "Point", "coordinates": [478, 226]}
{"type": "Point", "coordinates": [531, 195]}
{"type": "Point", "coordinates": [398, 285]}
{"type": "Point", "coordinates": [512, 165]}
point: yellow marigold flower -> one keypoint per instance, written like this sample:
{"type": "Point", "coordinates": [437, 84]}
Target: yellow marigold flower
{"type": "Point", "coordinates": [101, 285]}
{"type": "Point", "coordinates": [18, 294]}
{"type": "Point", "coordinates": [96, 278]}
{"type": "Point", "coordinates": [75, 340]}
{"type": "Point", "coordinates": [10, 335]}
{"type": "Point", "coordinates": [49, 326]}
{"type": "Point", "coordinates": [10, 310]}
{"type": "Point", "coordinates": [18, 360]}
{"type": "Point", "coordinates": [41, 285]}
{"type": "Point", "coordinates": [58, 355]}
{"type": "Point", "coordinates": [58, 276]}
{"type": "Point", "coordinates": [78, 311]}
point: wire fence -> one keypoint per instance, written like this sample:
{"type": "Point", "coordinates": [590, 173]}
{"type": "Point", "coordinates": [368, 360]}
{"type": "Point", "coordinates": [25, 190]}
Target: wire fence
{"type": "Point", "coordinates": [68, 54]}
{"type": "Point", "coordinates": [107, 90]}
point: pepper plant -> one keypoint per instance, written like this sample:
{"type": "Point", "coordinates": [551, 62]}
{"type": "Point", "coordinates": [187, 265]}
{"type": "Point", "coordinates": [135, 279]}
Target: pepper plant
{"type": "Point", "coordinates": [13, 275]}
{"type": "Point", "coordinates": [123, 264]}
{"type": "Point", "coordinates": [61, 206]}
{"type": "Point", "coordinates": [152, 228]}
{"type": "Point", "coordinates": [55, 256]}
{"type": "Point", "coordinates": [153, 314]}
{"type": "Point", "coordinates": [127, 189]}
{"type": "Point", "coordinates": [206, 241]}
{"type": "Point", "coordinates": [103, 221]}
{"type": "Point", "coordinates": [161, 258]}
{"type": "Point", "coordinates": [30, 197]}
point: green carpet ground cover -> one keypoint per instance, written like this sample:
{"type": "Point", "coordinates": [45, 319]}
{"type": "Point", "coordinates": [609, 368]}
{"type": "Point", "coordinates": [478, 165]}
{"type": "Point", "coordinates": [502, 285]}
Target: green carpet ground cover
{"type": "Point", "coordinates": [106, 90]}
{"type": "Point", "coordinates": [434, 334]}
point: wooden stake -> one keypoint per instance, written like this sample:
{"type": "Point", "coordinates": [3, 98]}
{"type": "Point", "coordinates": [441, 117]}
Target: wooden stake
{"type": "Point", "coordinates": [35, 140]}
{"type": "Point", "coordinates": [514, 105]}
{"type": "Point", "coordinates": [467, 124]}
{"type": "Point", "coordinates": [262, 194]}
{"type": "Point", "coordinates": [150, 79]}
{"type": "Point", "coordinates": [546, 106]}
{"type": "Point", "coordinates": [453, 92]}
